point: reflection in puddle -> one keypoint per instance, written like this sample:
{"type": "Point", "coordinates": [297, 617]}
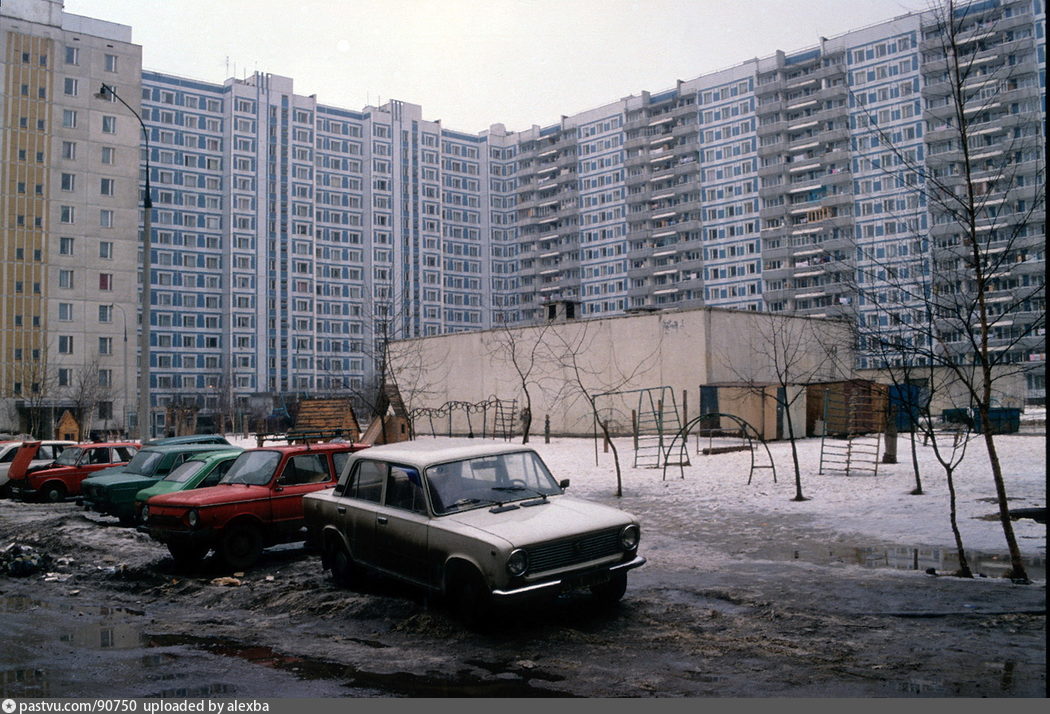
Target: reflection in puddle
{"type": "Point", "coordinates": [104, 636]}
{"type": "Point", "coordinates": [942, 560]}
{"type": "Point", "coordinates": [24, 683]}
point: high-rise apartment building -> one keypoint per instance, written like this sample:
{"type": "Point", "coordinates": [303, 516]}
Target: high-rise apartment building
{"type": "Point", "coordinates": [69, 175]}
{"type": "Point", "coordinates": [292, 240]}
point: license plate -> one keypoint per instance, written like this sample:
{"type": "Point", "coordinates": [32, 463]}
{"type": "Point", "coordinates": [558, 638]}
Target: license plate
{"type": "Point", "coordinates": [589, 579]}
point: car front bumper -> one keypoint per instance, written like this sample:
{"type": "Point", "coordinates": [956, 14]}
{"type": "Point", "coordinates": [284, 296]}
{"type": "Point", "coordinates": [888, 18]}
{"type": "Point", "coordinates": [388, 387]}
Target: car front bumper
{"type": "Point", "coordinates": [569, 581]}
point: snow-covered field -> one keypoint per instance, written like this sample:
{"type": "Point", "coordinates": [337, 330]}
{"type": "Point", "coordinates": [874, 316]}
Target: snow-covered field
{"type": "Point", "coordinates": [878, 507]}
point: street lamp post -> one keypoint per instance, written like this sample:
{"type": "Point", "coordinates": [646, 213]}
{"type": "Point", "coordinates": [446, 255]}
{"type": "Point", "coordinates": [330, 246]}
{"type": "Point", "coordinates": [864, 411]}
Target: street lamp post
{"type": "Point", "coordinates": [145, 420]}
{"type": "Point", "coordinates": [127, 363]}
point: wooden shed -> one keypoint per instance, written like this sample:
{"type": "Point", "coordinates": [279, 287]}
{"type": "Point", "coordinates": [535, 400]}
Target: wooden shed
{"type": "Point", "coordinates": [320, 419]}
{"type": "Point", "coordinates": [68, 428]}
{"type": "Point", "coordinates": [849, 407]}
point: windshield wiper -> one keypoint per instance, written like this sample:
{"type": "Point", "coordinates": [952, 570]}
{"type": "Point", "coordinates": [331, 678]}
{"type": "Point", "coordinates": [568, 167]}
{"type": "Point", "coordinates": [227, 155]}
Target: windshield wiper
{"type": "Point", "coordinates": [542, 497]}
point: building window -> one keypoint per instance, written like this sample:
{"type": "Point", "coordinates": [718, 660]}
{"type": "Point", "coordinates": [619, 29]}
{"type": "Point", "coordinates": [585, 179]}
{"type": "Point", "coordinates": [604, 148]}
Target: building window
{"type": "Point", "coordinates": [69, 182]}
{"type": "Point", "coordinates": [105, 410]}
{"type": "Point", "coordinates": [105, 313]}
{"type": "Point", "coordinates": [65, 311]}
{"type": "Point", "coordinates": [65, 279]}
{"type": "Point", "coordinates": [67, 214]}
{"type": "Point", "coordinates": [64, 374]}
{"type": "Point", "coordinates": [111, 63]}
{"type": "Point", "coordinates": [72, 55]}
{"type": "Point", "coordinates": [109, 125]}
{"type": "Point", "coordinates": [65, 246]}
{"type": "Point", "coordinates": [105, 250]}
{"type": "Point", "coordinates": [69, 150]}
{"type": "Point", "coordinates": [106, 186]}
{"type": "Point", "coordinates": [65, 344]}
{"type": "Point", "coordinates": [105, 281]}
{"type": "Point", "coordinates": [105, 218]}
{"type": "Point", "coordinates": [108, 155]}
{"type": "Point", "coordinates": [70, 86]}
{"type": "Point", "coordinates": [69, 118]}
{"type": "Point", "coordinates": [105, 345]}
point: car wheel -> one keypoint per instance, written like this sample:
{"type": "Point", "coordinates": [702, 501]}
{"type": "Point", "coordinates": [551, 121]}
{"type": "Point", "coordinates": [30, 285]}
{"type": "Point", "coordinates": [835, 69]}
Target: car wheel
{"type": "Point", "coordinates": [187, 555]}
{"type": "Point", "coordinates": [610, 593]}
{"type": "Point", "coordinates": [345, 571]}
{"type": "Point", "coordinates": [472, 601]}
{"type": "Point", "coordinates": [5, 490]}
{"type": "Point", "coordinates": [53, 492]}
{"type": "Point", "coordinates": [129, 521]}
{"type": "Point", "coordinates": [241, 546]}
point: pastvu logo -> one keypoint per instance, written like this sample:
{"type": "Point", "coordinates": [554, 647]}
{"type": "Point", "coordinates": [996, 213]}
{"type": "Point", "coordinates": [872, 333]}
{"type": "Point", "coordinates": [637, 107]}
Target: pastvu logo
{"type": "Point", "coordinates": [9, 706]}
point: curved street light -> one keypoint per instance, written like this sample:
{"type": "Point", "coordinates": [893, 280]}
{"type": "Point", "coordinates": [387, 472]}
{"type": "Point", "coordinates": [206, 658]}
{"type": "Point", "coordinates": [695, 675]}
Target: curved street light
{"type": "Point", "coordinates": [145, 416]}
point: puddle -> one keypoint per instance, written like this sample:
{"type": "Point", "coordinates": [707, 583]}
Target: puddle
{"type": "Point", "coordinates": [965, 688]}
{"type": "Point", "coordinates": [25, 603]}
{"type": "Point", "coordinates": [462, 684]}
{"type": "Point", "coordinates": [942, 560]}
{"type": "Point", "coordinates": [24, 683]}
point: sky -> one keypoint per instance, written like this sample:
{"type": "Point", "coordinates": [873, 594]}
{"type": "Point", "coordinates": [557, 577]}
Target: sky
{"type": "Point", "coordinates": [473, 63]}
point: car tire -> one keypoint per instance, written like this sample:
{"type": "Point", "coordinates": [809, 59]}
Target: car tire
{"type": "Point", "coordinates": [186, 555]}
{"type": "Point", "coordinates": [345, 572]}
{"type": "Point", "coordinates": [472, 601]}
{"type": "Point", "coordinates": [611, 592]}
{"type": "Point", "coordinates": [53, 492]}
{"type": "Point", "coordinates": [128, 521]}
{"type": "Point", "coordinates": [241, 546]}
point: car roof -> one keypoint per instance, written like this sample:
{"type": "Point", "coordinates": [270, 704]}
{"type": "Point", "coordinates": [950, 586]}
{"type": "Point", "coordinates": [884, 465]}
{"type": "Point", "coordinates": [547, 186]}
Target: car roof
{"type": "Point", "coordinates": [424, 452]}
{"type": "Point", "coordinates": [230, 452]}
{"type": "Point", "coordinates": [189, 439]}
{"type": "Point", "coordinates": [189, 448]}
{"type": "Point", "coordinates": [96, 444]}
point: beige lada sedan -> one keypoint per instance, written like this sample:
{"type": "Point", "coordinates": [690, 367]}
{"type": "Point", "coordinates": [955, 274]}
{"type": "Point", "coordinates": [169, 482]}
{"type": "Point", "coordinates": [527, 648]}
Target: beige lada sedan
{"type": "Point", "coordinates": [480, 523]}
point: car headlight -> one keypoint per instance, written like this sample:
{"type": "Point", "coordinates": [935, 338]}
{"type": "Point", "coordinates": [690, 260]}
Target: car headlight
{"type": "Point", "coordinates": [629, 536]}
{"type": "Point", "coordinates": [144, 513]}
{"type": "Point", "coordinates": [193, 518]}
{"type": "Point", "coordinates": [518, 562]}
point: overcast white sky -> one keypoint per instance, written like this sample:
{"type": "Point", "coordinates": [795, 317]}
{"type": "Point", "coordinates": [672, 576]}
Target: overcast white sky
{"type": "Point", "coordinates": [472, 63]}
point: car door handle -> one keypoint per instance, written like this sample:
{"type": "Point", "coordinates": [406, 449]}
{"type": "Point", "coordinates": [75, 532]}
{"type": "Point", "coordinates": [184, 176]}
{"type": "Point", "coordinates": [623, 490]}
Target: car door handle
{"type": "Point", "coordinates": [340, 509]}
{"type": "Point", "coordinates": [381, 520]}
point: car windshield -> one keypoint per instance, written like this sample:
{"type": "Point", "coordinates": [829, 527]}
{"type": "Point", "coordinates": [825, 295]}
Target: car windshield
{"type": "Point", "coordinates": [69, 457]}
{"type": "Point", "coordinates": [488, 480]}
{"type": "Point", "coordinates": [184, 471]}
{"type": "Point", "coordinates": [145, 462]}
{"type": "Point", "coordinates": [253, 467]}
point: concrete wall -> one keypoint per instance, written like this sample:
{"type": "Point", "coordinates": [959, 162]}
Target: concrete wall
{"type": "Point", "coordinates": [677, 349]}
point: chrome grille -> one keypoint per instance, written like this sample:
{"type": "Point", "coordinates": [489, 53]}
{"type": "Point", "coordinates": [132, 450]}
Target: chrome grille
{"type": "Point", "coordinates": [571, 551]}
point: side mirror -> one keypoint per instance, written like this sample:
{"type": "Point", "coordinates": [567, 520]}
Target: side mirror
{"type": "Point", "coordinates": [564, 483]}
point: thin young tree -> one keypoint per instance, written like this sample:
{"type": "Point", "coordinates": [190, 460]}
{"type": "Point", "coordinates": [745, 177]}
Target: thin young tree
{"type": "Point", "coordinates": [983, 183]}
{"type": "Point", "coordinates": [587, 372]}
{"type": "Point", "coordinates": [788, 353]}
{"type": "Point", "coordinates": [524, 350]}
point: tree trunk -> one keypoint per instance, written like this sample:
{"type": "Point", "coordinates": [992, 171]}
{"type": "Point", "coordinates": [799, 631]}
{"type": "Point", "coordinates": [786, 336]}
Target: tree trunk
{"type": "Point", "coordinates": [964, 566]}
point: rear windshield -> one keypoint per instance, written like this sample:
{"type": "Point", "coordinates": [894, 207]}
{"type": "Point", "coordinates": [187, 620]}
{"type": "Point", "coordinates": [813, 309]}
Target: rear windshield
{"type": "Point", "coordinates": [184, 471]}
{"type": "Point", "coordinates": [145, 463]}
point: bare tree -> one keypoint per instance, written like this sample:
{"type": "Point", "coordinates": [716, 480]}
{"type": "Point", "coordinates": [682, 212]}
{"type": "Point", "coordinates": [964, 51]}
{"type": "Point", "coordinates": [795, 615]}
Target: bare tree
{"type": "Point", "coordinates": [524, 350]}
{"type": "Point", "coordinates": [976, 299]}
{"type": "Point", "coordinates": [790, 352]}
{"type": "Point", "coordinates": [588, 372]}
{"type": "Point", "coordinates": [88, 387]}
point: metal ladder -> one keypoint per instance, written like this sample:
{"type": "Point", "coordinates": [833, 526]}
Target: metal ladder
{"type": "Point", "coordinates": [657, 422]}
{"type": "Point", "coordinates": [506, 416]}
{"type": "Point", "coordinates": [852, 435]}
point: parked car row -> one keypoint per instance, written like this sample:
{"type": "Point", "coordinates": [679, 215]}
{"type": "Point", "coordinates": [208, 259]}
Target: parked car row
{"type": "Point", "coordinates": [480, 523]}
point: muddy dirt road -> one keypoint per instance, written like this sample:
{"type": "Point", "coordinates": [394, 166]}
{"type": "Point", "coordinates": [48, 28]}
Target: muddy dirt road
{"type": "Point", "coordinates": [110, 616]}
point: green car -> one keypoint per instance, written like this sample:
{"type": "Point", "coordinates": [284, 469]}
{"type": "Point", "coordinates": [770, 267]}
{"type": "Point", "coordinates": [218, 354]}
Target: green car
{"type": "Point", "coordinates": [112, 491]}
{"type": "Point", "coordinates": [199, 471]}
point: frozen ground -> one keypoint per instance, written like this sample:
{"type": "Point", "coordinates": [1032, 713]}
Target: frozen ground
{"type": "Point", "coordinates": [747, 593]}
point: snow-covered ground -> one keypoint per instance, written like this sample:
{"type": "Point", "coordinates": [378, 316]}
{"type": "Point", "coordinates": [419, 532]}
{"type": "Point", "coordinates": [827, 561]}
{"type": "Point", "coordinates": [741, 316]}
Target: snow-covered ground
{"type": "Point", "coordinates": [714, 492]}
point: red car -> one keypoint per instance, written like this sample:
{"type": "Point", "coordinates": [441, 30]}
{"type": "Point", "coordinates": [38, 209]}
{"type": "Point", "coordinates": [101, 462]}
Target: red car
{"type": "Point", "coordinates": [71, 467]}
{"type": "Point", "coordinates": [258, 503]}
